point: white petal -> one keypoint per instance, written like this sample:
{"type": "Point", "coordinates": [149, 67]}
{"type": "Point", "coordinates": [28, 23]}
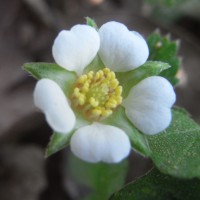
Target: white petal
{"type": "Point", "coordinates": [121, 49]}
{"type": "Point", "coordinates": [75, 49]}
{"type": "Point", "coordinates": [148, 105]}
{"type": "Point", "coordinates": [97, 142]}
{"type": "Point", "coordinates": [49, 97]}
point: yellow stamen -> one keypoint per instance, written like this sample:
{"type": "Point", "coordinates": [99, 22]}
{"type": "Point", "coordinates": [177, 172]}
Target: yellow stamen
{"type": "Point", "coordinates": [97, 94]}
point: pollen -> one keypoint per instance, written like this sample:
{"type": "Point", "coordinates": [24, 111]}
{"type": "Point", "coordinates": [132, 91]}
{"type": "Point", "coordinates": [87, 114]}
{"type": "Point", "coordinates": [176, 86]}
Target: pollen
{"type": "Point", "coordinates": [97, 94]}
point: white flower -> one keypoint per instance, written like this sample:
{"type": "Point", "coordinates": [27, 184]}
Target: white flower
{"type": "Point", "coordinates": [148, 105]}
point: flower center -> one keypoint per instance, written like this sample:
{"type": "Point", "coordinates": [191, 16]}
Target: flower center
{"type": "Point", "coordinates": [97, 94]}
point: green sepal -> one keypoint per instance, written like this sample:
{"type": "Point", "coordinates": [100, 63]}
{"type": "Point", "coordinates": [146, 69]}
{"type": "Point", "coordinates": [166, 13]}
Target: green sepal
{"type": "Point", "coordinates": [176, 150]}
{"type": "Point", "coordinates": [131, 78]}
{"type": "Point", "coordinates": [138, 140]}
{"type": "Point", "coordinates": [100, 178]}
{"type": "Point", "coordinates": [163, 49]}
{"type": "Point", "coordinates": [95, 65]}
{"type": "Point", "coordinates": [91, 22]}
{"type": "Point", "coordinates": [58, 142]}
{"type": "Point", "coordinates": [64, 78]}
{"type": "Point", "coordinates": [157, 186]}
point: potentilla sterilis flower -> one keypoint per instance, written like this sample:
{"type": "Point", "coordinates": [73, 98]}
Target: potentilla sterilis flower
{"type": "Point", "coordinates": [97, 94]}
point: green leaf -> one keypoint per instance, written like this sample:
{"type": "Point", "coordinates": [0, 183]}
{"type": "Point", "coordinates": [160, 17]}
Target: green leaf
{"type": "Point", "coordinates": [157, 186]}
{"type": "Point", "coordinates": [131, 78]}
{"type": "Point", "coordinates": [57, 142]}
{"type": "Point", "coordinates": [102, 179]}
{"type": "Point", "coordinates": [138, 140]}
{"type": "Point", "coordinates": [176, 151]}
{"type": "Point", "coordinates": [62, 77]}
{"type": "Point", "coordinates": [91, 22]}
{"type": "Point", "coordinates": [163, 49]}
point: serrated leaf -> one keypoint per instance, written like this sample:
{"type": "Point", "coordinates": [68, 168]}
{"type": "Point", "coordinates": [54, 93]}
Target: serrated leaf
{"type": "Point", "coordinates": [176, 151]}
{"type": "Point", "coordinates": [138, 140]}
{"type": "Point", "coordinates": [131, 78]}
{"type": "Point", "coordinates": [57, 142]}
{"type": "Point", "coordinates": [62, 77]}
{"type": "Point", "coordinates": [157, 186]}
{"type": "Point", "coordinates": [101, 178]}
{"type": "Point", "coordinates": [163, 49]}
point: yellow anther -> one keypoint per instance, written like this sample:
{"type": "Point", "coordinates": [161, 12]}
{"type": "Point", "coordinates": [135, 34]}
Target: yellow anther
{"type": "Point", "coordinates": [76, 92]}
{"type": "Point", "coordinates": [97, 76]}
{"type": "Point", "coordinates": [101, 73]}
{"type": "Point", "coordinates": [93, 102]}
{"type": "Point", "coordinates": [97, 94]}
{"type": "Point", "coordinates": [106, 113]}
{"type": "Point", "coordinates": [106, 70]}
{"type": "Point", "coordinates": [118, 90]}
{"type": "Point", "coordinates": [85, 89]}
{"type": "Point", "coordinates": [118, 99]}
{"type": "Point", "coordinates": [82, 79]}
{"type": "Point", "coordinates": [96, 112]}
{"type": "Point", "coordinates": [108, 76]}
{"type": "Point", "coordinates": [114, 83]}
{"type": "Point", "coordinates": [81, 100]}
{"type": "Point", "coordinates": [90, 74]}
{"type": "Point", "coordinates": [86, 84]}
{"type": "Point", "coordinates": [113, 75]}
{"type": "Point", "coordinates": [111, 103]}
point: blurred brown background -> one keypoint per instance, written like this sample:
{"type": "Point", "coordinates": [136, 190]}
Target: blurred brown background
{"type": "Point", "coordinates": [27, 31]}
